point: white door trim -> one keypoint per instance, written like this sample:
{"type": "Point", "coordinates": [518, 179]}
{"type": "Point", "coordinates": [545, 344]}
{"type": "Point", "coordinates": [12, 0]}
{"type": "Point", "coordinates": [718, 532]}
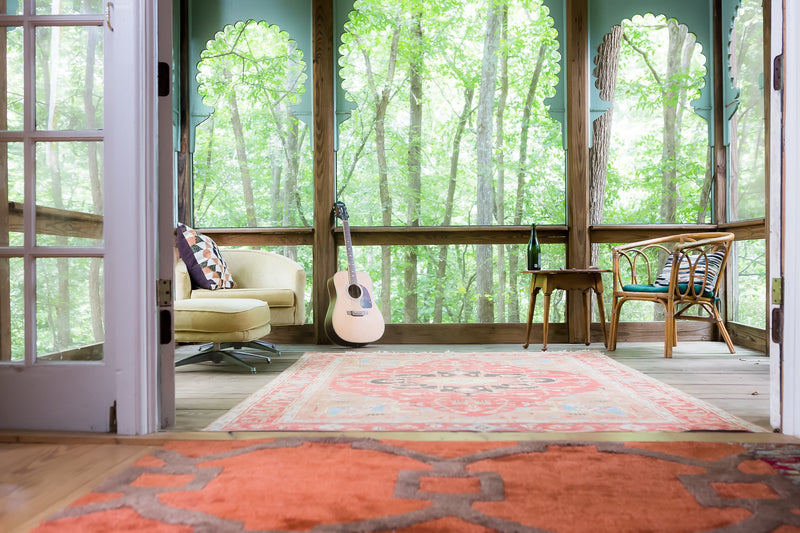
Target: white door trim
{"type": "Point", "coordinates": [131, 234]}
{"type": "Point", "coordinates": [790, 368]}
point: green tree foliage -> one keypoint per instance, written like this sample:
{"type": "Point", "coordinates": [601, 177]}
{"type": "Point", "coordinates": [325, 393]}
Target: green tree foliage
{"type": "Point", "coordinates": [658, 163]}
{"type": "Point", "coordinates": [252, 161]}
{"type": "Point", "coordinates": [449, 127]}
{"type": "Point", "coordinates": [747, 172]}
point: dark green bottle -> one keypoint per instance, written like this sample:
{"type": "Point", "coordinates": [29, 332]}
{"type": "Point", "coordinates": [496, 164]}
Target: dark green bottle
{"type": "Point", "coordinates": [534, 251]}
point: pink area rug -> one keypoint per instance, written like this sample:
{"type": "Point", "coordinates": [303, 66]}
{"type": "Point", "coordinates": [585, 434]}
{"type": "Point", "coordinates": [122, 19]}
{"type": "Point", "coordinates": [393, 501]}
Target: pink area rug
{"type": "Point", "coordinates": [484, 392]}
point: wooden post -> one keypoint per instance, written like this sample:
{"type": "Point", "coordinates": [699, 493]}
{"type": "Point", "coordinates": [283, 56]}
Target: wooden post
{"type": "Point", "coordinates": [5, 283]}
{"type": "Point", "coordinates": [578, 128]}
{"type": "Point", "coordinates": [720, 151]}
{"type": "Point", "coordinates": [324, 161]}
{"type": "Point", "coordinates": [184, 178]}
{"type": "Point", "coordinates": [721, 77]}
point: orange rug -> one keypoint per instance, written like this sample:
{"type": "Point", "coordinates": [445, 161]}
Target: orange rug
{"type": "Point", "coordinates": [360, 485]}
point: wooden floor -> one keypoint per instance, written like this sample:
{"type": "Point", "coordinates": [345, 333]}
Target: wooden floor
{"type": "Point", "coordinates": [737, 383]}
{"type": "Point", "coordinates": [40, 474]}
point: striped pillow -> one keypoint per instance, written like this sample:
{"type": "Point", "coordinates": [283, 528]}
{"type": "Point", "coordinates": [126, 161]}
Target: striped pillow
{"type": "Point", "coordinates": [714, 265]}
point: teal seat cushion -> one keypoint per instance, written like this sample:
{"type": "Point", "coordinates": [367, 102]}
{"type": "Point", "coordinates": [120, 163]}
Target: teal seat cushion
{"type": "Point", "coordinates": [659, 288]}
{"type": "Point", "coordinates": [638, 287]}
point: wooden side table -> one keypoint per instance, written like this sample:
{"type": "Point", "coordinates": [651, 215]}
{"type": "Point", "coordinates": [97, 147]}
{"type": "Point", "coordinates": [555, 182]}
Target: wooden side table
{"type": "Point", "coordinates": [581, 279]}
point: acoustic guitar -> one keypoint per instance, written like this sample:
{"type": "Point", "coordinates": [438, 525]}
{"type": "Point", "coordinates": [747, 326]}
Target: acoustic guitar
{"type": "Point", "coordinates": [353, 318]}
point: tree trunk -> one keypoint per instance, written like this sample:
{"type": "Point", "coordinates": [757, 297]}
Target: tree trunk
{"type": "Point", "coordinates": [671, 136]}
{"type": "Point", "coordinates": [381, 104]}
{"type": "Point", "coordinates": [455, 152]}
{"type": "Point", "coordinates": [500, 215]}
{"type": "Point", "coordinates": [607, 62]}
{"type": "Point", "coordinates": [241, 156]}
{"type": "Point", "coordinates": [411, 309]}
{"type": "Point", "coordinates": [485, 199]}
{"type": "Point", "coordinates": [522, 171]}
{"type": "Point", "coordinates": [61, 319]}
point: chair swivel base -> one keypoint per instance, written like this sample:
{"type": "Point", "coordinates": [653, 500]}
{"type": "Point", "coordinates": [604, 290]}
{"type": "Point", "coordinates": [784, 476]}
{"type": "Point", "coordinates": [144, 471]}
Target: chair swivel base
{"type": "Point", "coordinates": [217, 352]}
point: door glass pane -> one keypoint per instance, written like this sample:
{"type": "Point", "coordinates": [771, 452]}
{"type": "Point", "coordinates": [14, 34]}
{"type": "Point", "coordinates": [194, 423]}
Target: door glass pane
{"type": "Point", "coordinates": [12, 310]}
{"type": "Point", "coordinates": [69, 309]}
{"type": "Point", "coordinates": [11, 194]}
{"type": "Point", "coordinates": [11, 82]}
{"type": "Point", "coordinates": [57, 7]}
{"type": "Point", "coordinates": [69, 78]}
{"type": "Point", "coordinates": [69, 194]}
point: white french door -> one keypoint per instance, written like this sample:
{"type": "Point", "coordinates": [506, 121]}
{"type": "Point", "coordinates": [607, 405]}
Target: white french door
{"type": "Point", "coordinates": [77, 333]}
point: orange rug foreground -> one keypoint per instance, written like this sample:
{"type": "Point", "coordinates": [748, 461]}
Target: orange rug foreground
{"type": "Point", "coordinates": [349, 484]}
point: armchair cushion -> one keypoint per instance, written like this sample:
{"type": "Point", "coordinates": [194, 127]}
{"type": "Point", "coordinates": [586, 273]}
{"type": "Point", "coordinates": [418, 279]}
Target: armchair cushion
{"type": "Point", "coordinates": [682, 287]}
{"type": "Point", "coordinates": [275, 297]}
{"type": "Point", "coordinates": [711, 262]}
{"type": "Point", "coordinates": [206, 266]}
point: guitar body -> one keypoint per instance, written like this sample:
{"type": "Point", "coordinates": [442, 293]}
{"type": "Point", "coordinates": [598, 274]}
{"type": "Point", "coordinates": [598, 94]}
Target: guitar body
{"type": "Point", "coordinates": [353, 318]}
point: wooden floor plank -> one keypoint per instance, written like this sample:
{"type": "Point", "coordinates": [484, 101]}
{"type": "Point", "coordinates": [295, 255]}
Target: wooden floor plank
{"type": "Point", "coordinates": [38, 479]}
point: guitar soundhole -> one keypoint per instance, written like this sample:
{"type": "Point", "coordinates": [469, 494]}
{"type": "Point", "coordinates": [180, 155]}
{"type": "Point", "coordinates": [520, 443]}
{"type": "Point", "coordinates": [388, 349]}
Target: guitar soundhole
{"type": "Point", "coordinates": [354, 291]}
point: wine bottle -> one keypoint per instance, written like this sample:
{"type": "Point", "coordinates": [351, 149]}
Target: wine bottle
{"type": "Point", "coordinates": [534, 251]}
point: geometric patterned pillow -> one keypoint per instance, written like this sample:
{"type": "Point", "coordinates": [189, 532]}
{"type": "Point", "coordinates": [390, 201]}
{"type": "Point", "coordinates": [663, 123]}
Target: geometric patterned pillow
{"type": "Point", "coordinates": [713, 267]}
{"type": "Point", "coordinates": [207, 268]}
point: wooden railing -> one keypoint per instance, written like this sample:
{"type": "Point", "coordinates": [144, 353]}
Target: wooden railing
{"type": "Point", "coordinates": [52, 221]}
{"type": "Point", "coordinates": [498, 333]}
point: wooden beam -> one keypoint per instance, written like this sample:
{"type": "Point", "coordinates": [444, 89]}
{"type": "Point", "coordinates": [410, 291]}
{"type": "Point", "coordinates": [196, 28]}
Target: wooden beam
{"type": "Point", "coordinates": [618, 234]}
{"type": "Point", "coordinates": [324, 161]}
{"type": "Point", "coordinates": [439, 235]}
{"type": "Point", "coordinates": [720, 150]}
{"type": "Point", "coordinates": [578, 128]}
{"type": "Point", "coordinates": [261, 236]}
{"type": "Point", "coordinates": [52, 221]}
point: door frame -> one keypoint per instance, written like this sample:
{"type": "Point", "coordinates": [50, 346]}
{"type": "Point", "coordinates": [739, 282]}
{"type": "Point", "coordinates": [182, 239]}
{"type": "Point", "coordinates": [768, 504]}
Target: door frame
{"type": "Point", "coordinates": [788, 157]}
{"type": "Point", "coordinates": [131, 284]}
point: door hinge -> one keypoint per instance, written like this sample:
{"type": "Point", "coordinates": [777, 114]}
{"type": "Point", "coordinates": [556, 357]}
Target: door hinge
{"type": "Point", "coordinates": [777, 325]}
{"type": "Point", "coordinates": [164, 79]}
{"type": "Point", "coordinates": [777, 73]}
{"type": "Point", "coordinates": [777, 291]}
{"type": "Point", "coordinates": [164, 292]}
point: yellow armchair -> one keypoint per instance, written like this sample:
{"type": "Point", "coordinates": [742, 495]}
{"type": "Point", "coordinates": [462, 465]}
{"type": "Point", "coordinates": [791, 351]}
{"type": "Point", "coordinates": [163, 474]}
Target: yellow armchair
{"type": "Point", "coordinates": [259, 275]}
{"type": "Point", "coordinates": [269, 291]}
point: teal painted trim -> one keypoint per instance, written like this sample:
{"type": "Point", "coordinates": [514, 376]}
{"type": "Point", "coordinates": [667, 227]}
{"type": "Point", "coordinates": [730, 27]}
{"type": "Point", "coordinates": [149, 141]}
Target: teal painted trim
{"type": "Point", "coordinates": [730, 93]}
{"type": "Point", "coordinates": [207, 17]}
{"type": "Point", "coordinates": [603, 14]}
{"type": "Point", "coordinates": [343, 107]}
{"type": "Point", "coordinates": [557, 104]}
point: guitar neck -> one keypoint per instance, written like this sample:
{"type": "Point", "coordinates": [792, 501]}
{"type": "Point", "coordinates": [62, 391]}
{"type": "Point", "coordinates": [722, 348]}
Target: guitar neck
{"type": "Point", "coordinates": [351, 264]}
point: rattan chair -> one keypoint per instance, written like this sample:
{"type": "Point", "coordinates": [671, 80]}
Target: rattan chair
{"type": "Point", "coordinates": [700, 260]}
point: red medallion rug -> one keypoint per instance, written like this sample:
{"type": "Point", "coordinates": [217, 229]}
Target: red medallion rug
{"type": "Point", "coordinates": [365, 485]}
{"type": "Point", "coordinates": [487, 392]}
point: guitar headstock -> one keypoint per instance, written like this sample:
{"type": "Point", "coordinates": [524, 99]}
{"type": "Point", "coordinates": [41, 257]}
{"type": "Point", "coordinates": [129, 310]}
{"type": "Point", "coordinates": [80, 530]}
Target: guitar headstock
{"type": "Point", "coordinates": [340, 210]}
